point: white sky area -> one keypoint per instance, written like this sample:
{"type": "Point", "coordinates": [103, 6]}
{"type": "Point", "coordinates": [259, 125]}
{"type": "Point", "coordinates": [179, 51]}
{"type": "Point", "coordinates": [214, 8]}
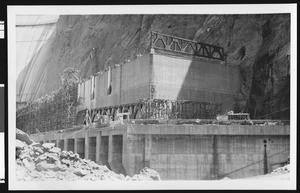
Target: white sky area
{"type": "Point", "coordinates": [31, 35]}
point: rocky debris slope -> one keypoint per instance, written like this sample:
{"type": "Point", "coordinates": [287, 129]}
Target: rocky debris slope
{"type": "Point", "coordinates": [37, 162]}
{"type": "Point", "coordinates": [281, 173]}
{"type": "Point", "coordinates": [282, 170]}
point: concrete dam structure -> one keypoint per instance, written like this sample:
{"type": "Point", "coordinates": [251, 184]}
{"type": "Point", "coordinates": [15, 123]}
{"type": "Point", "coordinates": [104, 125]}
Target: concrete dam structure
{"type": "Point", "coordinates": [164, 95]}
{"type": "Point", "coordinates": [180, 152]}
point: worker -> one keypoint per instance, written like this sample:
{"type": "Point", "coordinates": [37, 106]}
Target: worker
{"type": "Point", "coordinates": [97, 117]}
{"type": "Point", "coordinates": [87, 119]}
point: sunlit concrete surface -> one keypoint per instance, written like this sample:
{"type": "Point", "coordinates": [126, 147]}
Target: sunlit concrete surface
{"type": "Point", "coordinates": [180, 152]}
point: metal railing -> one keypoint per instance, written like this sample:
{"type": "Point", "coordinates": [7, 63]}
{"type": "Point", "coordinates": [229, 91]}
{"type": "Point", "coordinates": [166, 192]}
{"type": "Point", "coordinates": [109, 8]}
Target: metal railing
{"type": "Point", "coordinates": [185, 46]}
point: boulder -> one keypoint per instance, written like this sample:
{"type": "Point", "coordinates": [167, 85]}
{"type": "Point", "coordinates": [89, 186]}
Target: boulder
{"type": "Point", "coordinates": [55, 150]}
{"type": "Point", "coordinates": [149, 173]}
{"type": "Point", "coordinates": [48, 146]}
{"type": "Point", "coordinates": [24, 155]}
{"type": "Point", "coordinates": [19, 162]}
{"type": "Point", "coordinates": [44, 166]}
{"type": "Point", "coordinates": [52, 157]}
{"type": "Point", "coordinates": [22, 136]}
{"type": "Point", "coordinates": [27, 164]}
{"type": "Point", "coordinates": [20, 144]}
{"type": "Point", "coordinates": [79, 172]}
{"type": "Point", "coordinates": [64, 154]}
{"type": "Point", "coordinates": [31, 153]}
{"type": "Point", "coordinates": [39, 150]}
{"type": "Point", "coordinates": [76, 156]}
{"type": "Point", "coordinates": [66, 161]}
{"type": "Point", "coordinates": [35, 144]}
{"type": "Point", "coordinates": [41, 158]}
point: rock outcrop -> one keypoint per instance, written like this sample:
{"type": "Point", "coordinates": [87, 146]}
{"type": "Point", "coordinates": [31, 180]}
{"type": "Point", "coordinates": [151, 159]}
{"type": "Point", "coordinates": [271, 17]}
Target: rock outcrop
{"type": "Point", "coordinates": [259, 44]}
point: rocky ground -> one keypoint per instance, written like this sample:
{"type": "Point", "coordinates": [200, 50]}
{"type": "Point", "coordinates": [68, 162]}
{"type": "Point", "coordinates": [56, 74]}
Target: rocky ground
{"type": "Point", "coordinates": [282, 173]}
{"type": "Point", "coordinates": [36, 162]}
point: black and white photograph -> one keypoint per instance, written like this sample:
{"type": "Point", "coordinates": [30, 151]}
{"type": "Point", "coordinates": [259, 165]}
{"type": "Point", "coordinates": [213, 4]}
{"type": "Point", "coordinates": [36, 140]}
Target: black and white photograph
{"type": "Point", "coordinates": [152, 97]}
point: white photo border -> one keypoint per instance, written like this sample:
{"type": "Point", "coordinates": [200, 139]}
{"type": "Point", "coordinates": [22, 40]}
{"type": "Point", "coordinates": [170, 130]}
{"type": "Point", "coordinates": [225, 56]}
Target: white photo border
{"type": "Point", "coordinates": [149, 9]}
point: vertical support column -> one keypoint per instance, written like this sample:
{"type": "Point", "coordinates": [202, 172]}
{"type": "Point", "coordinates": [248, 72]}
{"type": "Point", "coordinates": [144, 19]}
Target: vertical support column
{"type": "Point", "coordinates": [125, 155]}
{"type": "Point", "coordinates": [265, 158]}
{"type": "Point", "coordinates": [110, 150]}
{"type": "Point", "coordinates": [66, 144]}
{"type": "Point", "coordinates": [98, 144]}
{"type": "Point", "coordinates": [146, 110]}
{"type": "Point", "coordinates": [214, 171]}
{"type": "Point", "coordinates": [148, 146]}
{"type": "Point", "coordinates": [180, 110]}
{"type": "Point", "coordinates": [75, 145]}
{"type": "Point", "coordinates": [152, 94]}
{"type": "Point", "coordinates": [86, 145]}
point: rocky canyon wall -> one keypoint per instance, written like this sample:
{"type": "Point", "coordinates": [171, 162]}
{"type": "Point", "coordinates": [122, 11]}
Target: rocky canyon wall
{"type": "Point", "coordinates": [258, 44]}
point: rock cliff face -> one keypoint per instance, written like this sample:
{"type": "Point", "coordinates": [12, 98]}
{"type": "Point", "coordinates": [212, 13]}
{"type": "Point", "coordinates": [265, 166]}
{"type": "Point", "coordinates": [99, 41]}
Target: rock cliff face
{"type": "Point", "coordinates": [258, 44]}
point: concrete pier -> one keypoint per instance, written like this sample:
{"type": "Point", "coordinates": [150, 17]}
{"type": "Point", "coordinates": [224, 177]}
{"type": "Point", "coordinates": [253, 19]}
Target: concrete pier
{"type": "Point", "coordinates": [180, 152]}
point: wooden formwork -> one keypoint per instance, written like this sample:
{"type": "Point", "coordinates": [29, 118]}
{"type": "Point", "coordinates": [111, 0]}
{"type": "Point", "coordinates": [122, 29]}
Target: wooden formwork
{"type": "Point", "coordinates": [56, 113]}
{"type": "Point", "coordinates": [158, 109]}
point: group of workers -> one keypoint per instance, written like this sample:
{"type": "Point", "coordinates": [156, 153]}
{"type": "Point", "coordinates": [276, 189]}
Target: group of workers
{"type": "Point", "coordinates": [87, 119]}
{"type": "Point", "coordinates": [100, 119]}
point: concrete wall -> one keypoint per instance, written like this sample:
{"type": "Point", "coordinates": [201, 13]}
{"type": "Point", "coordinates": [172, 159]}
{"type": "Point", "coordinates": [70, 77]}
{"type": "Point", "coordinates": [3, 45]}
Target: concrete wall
{"type": "Point", "coordinates": [172, 77]}
{"type": "Point", "coordinates": [130, 81]}
{"type": "Point", "coordinates": [195, 79]}
{"type": "Point", "coordinates": [185, 157]}
{"type": "Point", "coordinates": [135, 154]}
{"type": "Point", "coordinates": [181, 152]}
{"type": "Point", "coordinates": [205, 152]}
{"type": "Point", "coordinates": [115, 157]}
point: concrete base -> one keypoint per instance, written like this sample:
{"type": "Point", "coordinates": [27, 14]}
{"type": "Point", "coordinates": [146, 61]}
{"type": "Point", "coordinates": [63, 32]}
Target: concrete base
{"type": "Point", "coordinates": [181, 152]}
